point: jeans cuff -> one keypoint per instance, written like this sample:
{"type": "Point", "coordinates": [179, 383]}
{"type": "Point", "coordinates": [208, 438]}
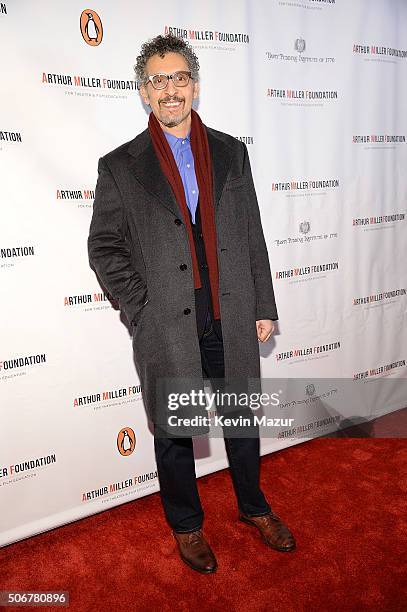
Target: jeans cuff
{"type": "Point", "coordinates": [258, 514]}
{"type": "Point", "coordinates": [188, 530]}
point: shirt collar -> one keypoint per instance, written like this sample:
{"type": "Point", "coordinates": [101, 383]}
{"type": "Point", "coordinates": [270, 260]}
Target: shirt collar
{"type": "Point", "coordinates": [172, 140]}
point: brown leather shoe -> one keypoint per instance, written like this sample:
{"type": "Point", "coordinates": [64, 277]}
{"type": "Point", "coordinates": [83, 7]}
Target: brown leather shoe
{"type": "Point", "coordinates": [273, 531]}
{"type": "Point", "coordinates": [195, 551]}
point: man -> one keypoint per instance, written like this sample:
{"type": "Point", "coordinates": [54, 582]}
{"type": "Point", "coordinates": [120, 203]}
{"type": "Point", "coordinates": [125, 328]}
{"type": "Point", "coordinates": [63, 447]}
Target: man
{"type": "Point", "coordinates": [176, 238]}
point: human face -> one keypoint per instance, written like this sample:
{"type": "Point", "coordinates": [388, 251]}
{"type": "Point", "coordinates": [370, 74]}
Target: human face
{"type": "Point", "coordinates": [172, 105]}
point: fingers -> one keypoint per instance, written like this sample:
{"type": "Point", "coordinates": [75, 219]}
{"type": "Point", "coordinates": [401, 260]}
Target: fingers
{"type": "Point", "coordinates": [262, 334]}
{"type": "Point", "coordinates": [264, 331]}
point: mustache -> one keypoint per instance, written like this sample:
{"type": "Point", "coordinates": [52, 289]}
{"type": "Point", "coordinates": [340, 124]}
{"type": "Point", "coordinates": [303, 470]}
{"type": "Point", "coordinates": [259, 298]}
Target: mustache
{"type": "Point", "coordinates": [173, 99]}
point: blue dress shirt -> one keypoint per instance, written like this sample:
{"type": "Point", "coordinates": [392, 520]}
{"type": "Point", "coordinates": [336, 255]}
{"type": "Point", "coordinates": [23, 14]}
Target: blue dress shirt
{"type": "Point", "coordinates": [182, 152]}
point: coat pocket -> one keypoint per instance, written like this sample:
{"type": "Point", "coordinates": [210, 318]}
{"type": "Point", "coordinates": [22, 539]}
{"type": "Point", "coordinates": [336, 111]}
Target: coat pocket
{"type": "Point", "coordinates": [139, 316]}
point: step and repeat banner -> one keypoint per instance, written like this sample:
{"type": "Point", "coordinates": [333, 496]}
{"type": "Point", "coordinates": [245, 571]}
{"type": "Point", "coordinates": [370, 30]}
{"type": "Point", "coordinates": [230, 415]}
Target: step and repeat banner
{"type": "Point", "coordinates": [317, 89]}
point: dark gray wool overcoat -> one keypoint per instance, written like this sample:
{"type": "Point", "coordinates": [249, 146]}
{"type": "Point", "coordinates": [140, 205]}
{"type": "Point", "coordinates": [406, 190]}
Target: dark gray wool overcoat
{"type": "Point", "coordinates": [138, 242]}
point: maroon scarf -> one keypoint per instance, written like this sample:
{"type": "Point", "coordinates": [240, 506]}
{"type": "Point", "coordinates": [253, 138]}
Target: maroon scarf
{"type": "Point", "coordinates": [203, 170]}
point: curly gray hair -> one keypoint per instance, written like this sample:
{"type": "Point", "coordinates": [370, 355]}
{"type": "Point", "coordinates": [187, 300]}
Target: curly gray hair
{"type": "Point", "coordinates": [160, 45]}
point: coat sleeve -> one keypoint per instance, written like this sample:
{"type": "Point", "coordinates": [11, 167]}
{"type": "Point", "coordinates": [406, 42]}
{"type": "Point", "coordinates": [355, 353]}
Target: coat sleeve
{"type": "Point", "coordinates": [108, 249]}
{"type": "Point", "coordinates": [266, 306]}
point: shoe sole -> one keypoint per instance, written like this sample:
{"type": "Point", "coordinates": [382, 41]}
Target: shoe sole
{"type": "Point", "coordinates": [280, 549]}
{"type": "Point", "coordinates": [201, 571]}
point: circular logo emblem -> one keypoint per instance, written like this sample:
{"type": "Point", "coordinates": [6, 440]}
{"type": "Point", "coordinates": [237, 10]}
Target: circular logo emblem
{"type": "Point", "coordinates": [310, 389]}
{"type": "Point", "coordinates": [299, 45]}
{"type": "Point", "coordinates": [305, 227]}
{"type": "Point", "coordinates": [91, 27]}
{"type": "Point", "coordinates": [126, 441]}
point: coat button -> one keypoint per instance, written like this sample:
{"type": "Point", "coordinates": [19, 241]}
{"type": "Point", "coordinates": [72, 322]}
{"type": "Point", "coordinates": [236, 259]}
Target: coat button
{"type": "Point", "coordinates": [183, 267]}
{"type": "Point", "coordinates": [177, 221]}
{"type": "Point", "coordinates": [187, 311]}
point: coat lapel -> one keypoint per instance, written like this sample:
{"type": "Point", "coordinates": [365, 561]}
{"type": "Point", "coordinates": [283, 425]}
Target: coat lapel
{"type": "Point", "coordinates": [145, 166]}
{"type": "Point", "coordinates": [221, 160]}
{"type": "Point", "coordinates": [147, 170]}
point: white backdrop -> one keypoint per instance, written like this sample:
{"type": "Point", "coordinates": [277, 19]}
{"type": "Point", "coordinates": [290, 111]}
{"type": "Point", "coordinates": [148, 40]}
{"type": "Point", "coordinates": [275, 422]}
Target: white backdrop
{"type": "Point", "coordinates": [318, 90]}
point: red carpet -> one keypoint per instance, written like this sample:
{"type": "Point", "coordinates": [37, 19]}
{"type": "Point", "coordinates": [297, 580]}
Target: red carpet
{"type": "Point", "coordinates": [344, 499]}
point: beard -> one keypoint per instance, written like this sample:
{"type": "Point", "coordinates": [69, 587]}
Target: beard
{"type": "Point", "coordinates": [168, 118]}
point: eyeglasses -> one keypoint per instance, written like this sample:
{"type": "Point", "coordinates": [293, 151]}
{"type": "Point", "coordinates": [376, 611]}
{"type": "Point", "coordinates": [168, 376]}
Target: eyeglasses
{"type": "Point", "coordinates": [160, 80]}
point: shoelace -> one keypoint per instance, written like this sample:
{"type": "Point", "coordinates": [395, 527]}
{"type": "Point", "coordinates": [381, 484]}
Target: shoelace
{"type": "Point", "coordinates": [194, 537]}
{"type": "Point", "coordinates": [267, 518]}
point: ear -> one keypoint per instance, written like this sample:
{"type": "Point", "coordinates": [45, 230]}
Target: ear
{"type": "Point", "coordinates": [195, 92]}
{"type": "Point", "coordinates": [144, 94]}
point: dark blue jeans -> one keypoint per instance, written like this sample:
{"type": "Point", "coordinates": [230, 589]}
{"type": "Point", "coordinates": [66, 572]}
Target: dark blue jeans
{"type": "Point", "coordinates": [176, 464]}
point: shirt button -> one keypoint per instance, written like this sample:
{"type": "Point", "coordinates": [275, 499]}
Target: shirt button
{"type": "Point", "coordinates": [187, 311]}
{"type": "Point", "coordinates": [193, 191]}
{"type": "Point", "coordinates": [188, 165]}
{"type": "Point", "coordinates": [183, 142]}
{"type": "Point", "coordinates": [201, 235]}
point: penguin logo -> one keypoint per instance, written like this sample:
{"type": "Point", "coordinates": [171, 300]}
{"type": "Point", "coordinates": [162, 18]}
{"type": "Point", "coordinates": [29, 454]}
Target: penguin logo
{"type": "Point", "coordinates": [91, 27]}
{"type": "Point", "coordinates": [126, 441]}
